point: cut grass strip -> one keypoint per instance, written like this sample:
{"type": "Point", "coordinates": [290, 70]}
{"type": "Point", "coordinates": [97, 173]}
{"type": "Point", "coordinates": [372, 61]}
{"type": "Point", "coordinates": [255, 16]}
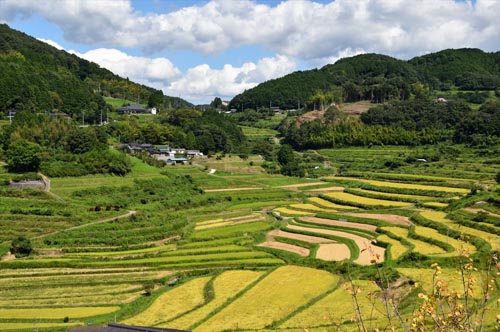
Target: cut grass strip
{"type": "Point", "coordinates": [311, 207]}
{"type": "Point", "coordinates": [55, 313]}
{"type": "Point", "coordinates": [282, 292]}
{"type": "Point", "coordinates": [35, 325]}
{"type": "Point", "coordinates": [230, 230]}
{"type": "Point", "coordinates": [167, 247]}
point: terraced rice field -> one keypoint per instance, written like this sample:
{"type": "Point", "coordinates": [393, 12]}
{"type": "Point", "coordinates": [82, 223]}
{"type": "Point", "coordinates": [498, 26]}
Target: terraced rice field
{"type": "Point", "coordinates": [311, 207]}
{"type": "Point", "coordinates": [438, 216]}
{"type": "Point", "coordinates": [172, 304]}
{"type": "Point", "coordinates": [283, 291]}
{"type": "Point", "coordinates": [292, 212]}
{"type": "Point", "coordinates": [397, 249]}
{"type": "Point", "coordinates": [403, 185]}
{"type": "Point", "coordinates": [422, 247]}
{"type": "Point", "coordinates": [330, 205]}
{"type": "Point", "coordinates": [389, 196]}
{"type": "Point", "coordinates": [208, 224]}
{"type": "Point", "coordinates": [460, 247]}
{"type": "Point", "coordinates": [55, 313]}
{"type": "Point", "coordinates": [356, 200]}
{"type": "Point", "coordinates": [328, 310]}
{"type": "Point", "coordinates": [452, 277]}
{"type": "Point", "coordinates": [225, 286]}
{"type": "Point", "coordinates": [367, 253]}
{"type": "Point", "coordinates": [347, 224]}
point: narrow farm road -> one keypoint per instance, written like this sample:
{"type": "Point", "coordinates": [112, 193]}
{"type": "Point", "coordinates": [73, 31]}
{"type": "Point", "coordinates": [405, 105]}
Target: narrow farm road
{"type": "Point", "coordinates": [128, 214]}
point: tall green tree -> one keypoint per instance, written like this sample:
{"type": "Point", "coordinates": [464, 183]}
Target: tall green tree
{"type": "Point", "coordinates": [24, 156]}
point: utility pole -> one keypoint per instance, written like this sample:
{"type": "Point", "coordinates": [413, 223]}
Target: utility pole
{"type": "Point", "coordinates": [83, 118]}
{"type": "Point", "coordinates": [101, 117]}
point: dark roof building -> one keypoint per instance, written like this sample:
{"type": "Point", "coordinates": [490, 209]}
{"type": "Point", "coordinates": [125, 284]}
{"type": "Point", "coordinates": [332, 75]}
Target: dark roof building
{"type": "Point", "coordinates": [132, 109]}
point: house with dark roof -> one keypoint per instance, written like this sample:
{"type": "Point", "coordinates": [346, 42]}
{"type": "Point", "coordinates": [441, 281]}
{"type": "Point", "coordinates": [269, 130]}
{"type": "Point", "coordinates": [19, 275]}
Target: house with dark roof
{"type": "Point", "coordinates": [133, 109]}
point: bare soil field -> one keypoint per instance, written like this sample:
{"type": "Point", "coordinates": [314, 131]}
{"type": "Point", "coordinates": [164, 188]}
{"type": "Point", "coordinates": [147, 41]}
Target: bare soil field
{"type": "Point", "coordinates": [304, 252]}
{"type": "Point", "coordinates": [390, 218]}
{"type": "Point", "coordinates": [333, 252]}
{"type": "Point", "coordinates": [473, 210]}
{"type": "Point", "coordinates": [331, 222]}
{"type": "Point", "coordinates": [300, 237]}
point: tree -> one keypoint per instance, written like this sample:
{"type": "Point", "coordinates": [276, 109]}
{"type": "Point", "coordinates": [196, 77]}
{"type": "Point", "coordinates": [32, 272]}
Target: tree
{"type": "Point", "coordinates": [24, 156]}
{"type": "Point", "coordinates": [21, 247]}
{"type": "Point", "coordinates": [498, 178]}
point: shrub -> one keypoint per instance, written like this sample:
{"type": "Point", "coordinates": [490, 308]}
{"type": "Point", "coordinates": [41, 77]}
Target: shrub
{"type": "Point", "coordinates": [21, 247]}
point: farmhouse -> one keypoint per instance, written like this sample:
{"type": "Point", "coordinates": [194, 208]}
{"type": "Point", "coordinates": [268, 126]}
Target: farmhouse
{"type": "Point", "coordinates": [132, 109]}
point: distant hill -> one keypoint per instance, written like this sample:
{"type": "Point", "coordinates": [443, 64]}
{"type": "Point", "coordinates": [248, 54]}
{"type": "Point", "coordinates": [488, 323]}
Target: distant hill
{"type": "Point", "coordinates": [36, 76]}
{"type": "Point", "coordinates": [378, 78]}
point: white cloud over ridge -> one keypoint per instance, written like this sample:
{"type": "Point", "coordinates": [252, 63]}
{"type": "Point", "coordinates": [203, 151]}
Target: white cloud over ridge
{"type": "Point", "coordinates": [298, 31]}
{"type": "Point", "coordinates": [199, 84]}
{"type": "Point", "coordinates": [300, 28]}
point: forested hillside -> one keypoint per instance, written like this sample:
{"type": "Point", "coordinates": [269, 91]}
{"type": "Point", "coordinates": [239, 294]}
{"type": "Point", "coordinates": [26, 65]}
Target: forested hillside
{"type": "Point", "coordinates": [38, 77]}
{"type": "Point", "coordinates": [378, 78]}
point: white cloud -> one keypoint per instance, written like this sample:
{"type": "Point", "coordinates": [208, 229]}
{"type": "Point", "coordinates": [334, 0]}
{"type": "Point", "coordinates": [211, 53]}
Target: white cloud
{"type": "Point", "coordinates": [199, 84]}
{"type": "Point", "coordinates": [51, 43]}
{"type": "Point", "coordinates": [155, 72]}
{"type": "Point", "coordinates": [302, 31]}
{"type": "Point", "coordinates": [300, 28]}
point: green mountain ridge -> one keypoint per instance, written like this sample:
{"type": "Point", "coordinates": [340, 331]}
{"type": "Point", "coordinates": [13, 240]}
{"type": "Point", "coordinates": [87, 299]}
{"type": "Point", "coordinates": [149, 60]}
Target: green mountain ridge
{"type": "Point", "coordinates": [378, 78]}
{"type": "Point", "coordinates": [37, 76]}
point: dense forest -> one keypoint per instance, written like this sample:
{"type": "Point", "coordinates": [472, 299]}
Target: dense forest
{"type": "Point", "coordinates": [37, 77]}
{"type": "Point", "coordinates": [378, 78]}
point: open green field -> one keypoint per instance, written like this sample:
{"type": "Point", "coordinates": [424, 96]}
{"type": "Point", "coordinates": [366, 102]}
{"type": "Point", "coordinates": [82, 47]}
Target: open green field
{"type": "Point", "coordinates": [178, 247]}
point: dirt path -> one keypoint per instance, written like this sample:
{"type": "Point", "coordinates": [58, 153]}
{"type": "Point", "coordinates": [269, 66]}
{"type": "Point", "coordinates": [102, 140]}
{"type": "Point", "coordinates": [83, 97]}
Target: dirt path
{"type": "Point", "coordinates": [304, 252]}
{"type": "Point", "coordinates": [300, 237]}
{"type": "Point", "coordinates": [327, 189]}
{"type": "Point", "coordinates": [128, 214]}
{"type": "Point", "coordinates": [231, 189]}
{"type": "Point", "coordinates": [295, 187]}
{"type": "Point", "coordinates": [331, 222]}
{"type": "Point", "coordinates": [390, 218]}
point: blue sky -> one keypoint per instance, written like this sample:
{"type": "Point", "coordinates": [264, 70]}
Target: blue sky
{"type": "Point", "coordinates": [200, 50]}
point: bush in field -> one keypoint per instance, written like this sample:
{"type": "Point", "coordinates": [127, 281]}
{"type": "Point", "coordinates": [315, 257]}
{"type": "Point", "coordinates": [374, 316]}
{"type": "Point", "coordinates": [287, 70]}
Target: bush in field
{"type": "Point", "coordinates": [21, 247]}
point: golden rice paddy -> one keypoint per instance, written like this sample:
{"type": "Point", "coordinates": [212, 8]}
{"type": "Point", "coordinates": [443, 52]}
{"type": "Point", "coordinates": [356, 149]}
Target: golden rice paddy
{"type": "Point", "coordinates": [283, 291]}
{"type": "Point", "coordinates": [346, 197]}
